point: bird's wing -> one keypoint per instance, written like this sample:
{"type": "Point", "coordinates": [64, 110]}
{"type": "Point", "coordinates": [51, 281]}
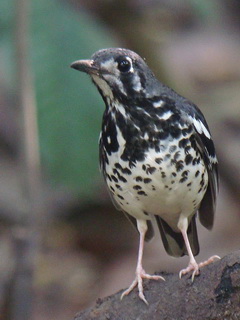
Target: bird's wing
{"type": "Point", "coordinates": [206, 147]}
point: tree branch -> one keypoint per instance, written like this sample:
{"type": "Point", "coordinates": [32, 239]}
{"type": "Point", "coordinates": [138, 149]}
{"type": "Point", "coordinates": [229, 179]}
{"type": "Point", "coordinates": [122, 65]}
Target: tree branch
{"type": "Point", "coordinates": [214, 294]}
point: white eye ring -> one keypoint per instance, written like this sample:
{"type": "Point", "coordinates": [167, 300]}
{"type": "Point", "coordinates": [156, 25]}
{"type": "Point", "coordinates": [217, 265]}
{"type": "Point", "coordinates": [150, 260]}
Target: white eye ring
{"type": "Point", "coordinates": [125, 65]}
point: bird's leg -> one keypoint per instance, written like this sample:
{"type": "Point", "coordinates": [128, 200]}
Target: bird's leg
{"type": "Point", "coordinates": [140, 272]}
{"type": "Point", "coordinates": [192, 266]}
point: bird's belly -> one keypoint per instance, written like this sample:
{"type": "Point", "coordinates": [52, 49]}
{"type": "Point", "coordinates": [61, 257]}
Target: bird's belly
{"type": "Point", "coordinates": [166, 184]}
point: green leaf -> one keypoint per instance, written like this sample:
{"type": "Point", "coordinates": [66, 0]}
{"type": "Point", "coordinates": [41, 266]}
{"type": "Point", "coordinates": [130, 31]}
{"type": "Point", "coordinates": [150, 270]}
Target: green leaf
{"type": "Point", "coordinates": [69, 106]}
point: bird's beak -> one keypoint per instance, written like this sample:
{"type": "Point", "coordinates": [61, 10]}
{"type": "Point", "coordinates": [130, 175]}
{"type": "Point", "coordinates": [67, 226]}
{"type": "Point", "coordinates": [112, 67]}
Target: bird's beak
{"type": "Point", "coordinates": [86, 66]}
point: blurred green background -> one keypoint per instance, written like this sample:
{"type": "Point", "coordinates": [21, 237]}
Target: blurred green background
{"type": "Point", "coordinates": [193, 46]}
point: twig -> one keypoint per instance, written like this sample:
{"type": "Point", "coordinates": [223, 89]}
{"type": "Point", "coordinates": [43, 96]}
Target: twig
{"type": "Point", "coordinates": [214, 295]}
{"type": "Point", "coordinates": [26, 236]}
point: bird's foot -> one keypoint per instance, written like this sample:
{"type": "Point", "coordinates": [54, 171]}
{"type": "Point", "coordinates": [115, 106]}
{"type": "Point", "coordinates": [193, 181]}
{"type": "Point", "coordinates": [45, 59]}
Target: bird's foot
{"type": "Point", "coordinates": [208, 261]}
{"type": "Point", "coordinates": [140, 275]}
{"type": "Point", "coordinates": [193, 266]}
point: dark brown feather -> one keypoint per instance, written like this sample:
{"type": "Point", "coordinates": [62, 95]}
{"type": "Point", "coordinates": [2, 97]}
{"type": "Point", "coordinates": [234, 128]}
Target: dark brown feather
{"type": "Point", "coordinates": [173, 241]}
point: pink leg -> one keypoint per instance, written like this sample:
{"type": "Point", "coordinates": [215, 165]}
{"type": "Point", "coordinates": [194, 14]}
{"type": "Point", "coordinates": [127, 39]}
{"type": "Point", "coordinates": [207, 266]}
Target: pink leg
{"type": "Point", "coordinates": [140, 272]}
{"type": "Point", "coordinates": [193, 266]}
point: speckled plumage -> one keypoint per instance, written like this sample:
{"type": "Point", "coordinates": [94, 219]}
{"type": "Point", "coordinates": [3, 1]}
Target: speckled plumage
{"type": "Point", "coordinates": [156, 153]}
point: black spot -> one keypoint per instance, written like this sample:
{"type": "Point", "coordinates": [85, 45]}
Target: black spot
{"type": "Point", "coordinates": [147, 180]}
{"type": "Point", "coordinates": [132, 164]}
{"type": "Point", "coordinates": [189, 184]}
{"type": "Point", "coordinates": [183, 179]}
{"type": "Point", "coordinates": [166, 187]}
{"type": "Point", "coordinates": [188, 159]}
{"type": "Point", "coordinates": [200, 190]}
{"type": "Point", "coordinates": [137, 187]}
{"type": "Point", "coordinates": [196, 161]}
{"type": "Point", "coordinates": [197, 173]}
{"type": "Point", "coordinates": [185, 173]}
{"type": "Point", "coordinates": [183, 143]}
{"type": "Point", "coordinates": [162, 135]}
{"type": "Point", "coordinates": [163, 174]}
{"type": "Point", "coordinates": [172, 182]}
{"type": "Point", "coordinates": [126, 171]}
{"type": "Point", "coordinates": [177, 155]}
{"type": "Point", "coordinates": [116, 172]}
{"type": "Point", "coordinates": [142, 193]}
{"type": "Point", "coordinates": [185, 132]}
{"type": "Point", "coordinates": [174, 174]}
{"type": "Point", "coordinates": [150, 170]}
{"type": "Point", "coordinates": [118, 186]}
{"type": "Point", "coordinates": [174, 132]}
{"type": "Point", "coordinates": [202, 183]}
{"type": "Point", "coordinates": [120, 197]}
{"type": "Point", "coordinates": [158, 160]}
{"type": "Point", "coordinates": [138, 179]}
{"type": "Point", "coordinates": [121, 178]}
{"type": "Point", "coordinates": [118, 166]}
{"type": "Point", "coordinates": [109, 178]}
{"type": "Point", "coordinates": [114, 178]}
{"type": "Point", "coordinates": [179, 165]}
{"type": "Point", "coordinates": [112, 189]}
{"type": "Point", "coordinates": [193, 142]}
{"type": "Point", "coordinates": [144, 167]}
{"type": "Point", "coordinates": [187, 149]}
{"type": "Point", "coordinates": [153, 188]}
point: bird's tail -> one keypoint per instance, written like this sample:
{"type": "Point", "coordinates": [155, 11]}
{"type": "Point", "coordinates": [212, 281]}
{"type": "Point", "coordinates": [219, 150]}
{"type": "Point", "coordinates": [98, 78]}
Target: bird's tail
{"type": "Point", "coordinates": [173, 241]}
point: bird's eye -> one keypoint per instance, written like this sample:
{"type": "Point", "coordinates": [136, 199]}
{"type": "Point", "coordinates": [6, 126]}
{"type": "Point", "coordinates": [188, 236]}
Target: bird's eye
{"type": "Point", "coordinates": [124, 65]}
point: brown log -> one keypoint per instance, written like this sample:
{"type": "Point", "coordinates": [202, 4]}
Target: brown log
{"type": "Point", "coordinates": [214, 294]}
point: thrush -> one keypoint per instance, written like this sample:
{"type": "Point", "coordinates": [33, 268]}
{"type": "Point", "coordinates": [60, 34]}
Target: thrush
{"type": "Point", "coordinates": [156, 154]}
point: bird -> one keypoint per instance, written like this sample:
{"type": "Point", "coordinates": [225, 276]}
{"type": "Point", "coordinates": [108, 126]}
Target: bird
{"type": "Point", "coordinates": [157, 157]}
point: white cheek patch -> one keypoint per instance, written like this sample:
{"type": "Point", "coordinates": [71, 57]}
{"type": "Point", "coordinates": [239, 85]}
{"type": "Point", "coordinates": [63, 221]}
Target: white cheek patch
{"type": "Point", "coordinates": [103, 86]}
{"type": "Point", "coordinates": [200, 127]}
{"type": "Point", "coordinates": [115, 81]}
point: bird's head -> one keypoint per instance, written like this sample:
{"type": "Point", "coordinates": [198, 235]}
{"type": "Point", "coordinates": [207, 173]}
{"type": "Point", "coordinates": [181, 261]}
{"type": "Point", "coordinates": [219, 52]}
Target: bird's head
{"type": "Point", "coordinates": [119, 74]}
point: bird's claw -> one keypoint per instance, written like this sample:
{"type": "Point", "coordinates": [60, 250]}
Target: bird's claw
{"type": "Point", "coordinates": [193, 266]}
{"type": "Point", "coordinates": [140, 275]}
